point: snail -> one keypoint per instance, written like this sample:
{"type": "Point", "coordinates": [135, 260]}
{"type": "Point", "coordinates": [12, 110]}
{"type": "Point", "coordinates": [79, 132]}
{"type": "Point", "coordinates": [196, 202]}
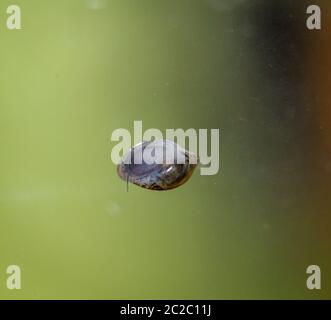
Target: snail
{"type": "Point", "coordinates": [157, 165]}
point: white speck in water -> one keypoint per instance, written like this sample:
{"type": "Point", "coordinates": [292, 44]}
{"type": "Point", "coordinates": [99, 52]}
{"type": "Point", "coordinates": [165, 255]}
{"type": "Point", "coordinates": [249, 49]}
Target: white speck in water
{"type": "Point", "coordinates": [113, 209]}
{"type": "Point", "coordinates": [266, 226]}
{"type": "Point", "coordinates": [95, 4]}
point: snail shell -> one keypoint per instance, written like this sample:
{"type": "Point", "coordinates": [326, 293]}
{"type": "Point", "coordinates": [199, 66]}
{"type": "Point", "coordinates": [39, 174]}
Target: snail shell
{"type": "Point", "coordinates": [157, 165]}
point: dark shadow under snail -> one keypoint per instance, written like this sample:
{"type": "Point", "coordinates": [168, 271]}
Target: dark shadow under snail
{"type": "Point", "coordinates": [157, 170]}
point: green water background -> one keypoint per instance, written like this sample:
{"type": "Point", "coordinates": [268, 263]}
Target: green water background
{"type": "Point", "coordinates": [75, 74]}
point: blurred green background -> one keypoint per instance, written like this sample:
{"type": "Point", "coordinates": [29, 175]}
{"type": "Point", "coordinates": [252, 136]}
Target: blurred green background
{"type": "Point", "coordinates": [80, 69]}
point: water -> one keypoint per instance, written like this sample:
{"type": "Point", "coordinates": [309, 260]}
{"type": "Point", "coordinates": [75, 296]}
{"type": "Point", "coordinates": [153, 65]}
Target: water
{"type": "Point", "coordinates": [79, 70]}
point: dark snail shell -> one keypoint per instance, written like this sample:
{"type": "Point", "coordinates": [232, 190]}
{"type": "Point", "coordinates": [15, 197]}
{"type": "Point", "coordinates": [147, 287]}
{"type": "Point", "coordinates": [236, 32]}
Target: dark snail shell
{"type": "Point", "coordinates": [164, 174]}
